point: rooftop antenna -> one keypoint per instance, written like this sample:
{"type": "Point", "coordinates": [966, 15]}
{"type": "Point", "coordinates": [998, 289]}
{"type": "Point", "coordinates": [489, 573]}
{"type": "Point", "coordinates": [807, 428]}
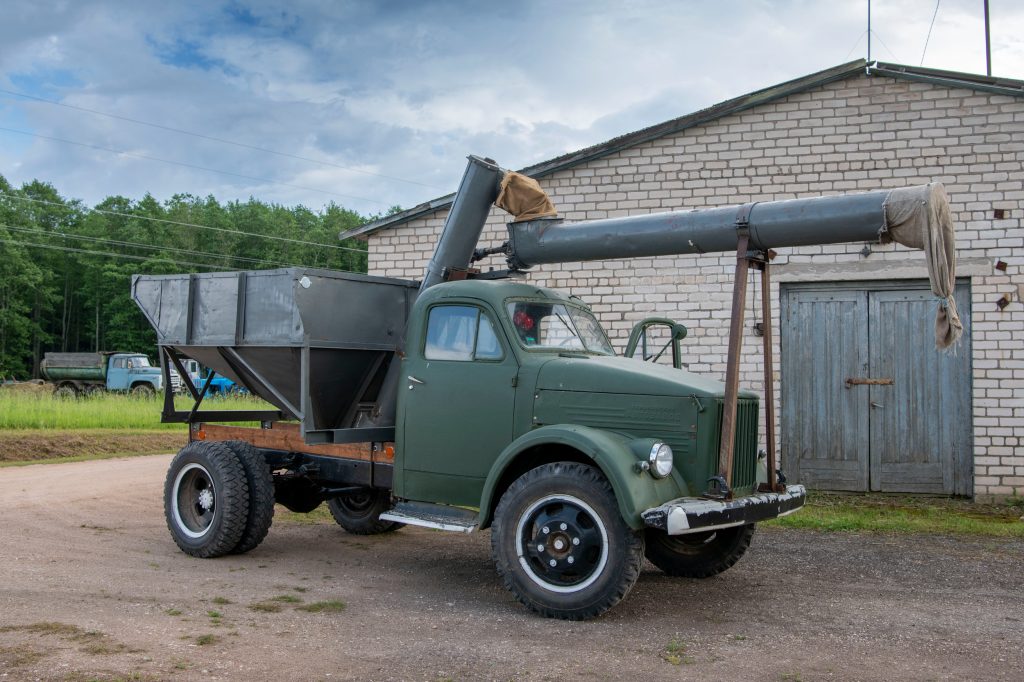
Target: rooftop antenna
{"type": "Point", "coordinates": [869, 29]}
{"type": "Point", "coordinates": [988, 45]}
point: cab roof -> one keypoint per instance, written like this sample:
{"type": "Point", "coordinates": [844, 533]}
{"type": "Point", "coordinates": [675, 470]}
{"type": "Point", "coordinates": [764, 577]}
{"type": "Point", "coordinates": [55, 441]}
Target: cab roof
{"type": "Point", "coordinates": [494, 292]}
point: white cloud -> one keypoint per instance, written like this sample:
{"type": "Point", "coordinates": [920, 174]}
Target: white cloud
{"type": "Point", "coordinates": [409, 89]}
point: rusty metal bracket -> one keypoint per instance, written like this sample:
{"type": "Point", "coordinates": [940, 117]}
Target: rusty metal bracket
{"type": "Point", "coordinates": [852, 381]}
{"type": "Point", "coordinates": [743, 215]}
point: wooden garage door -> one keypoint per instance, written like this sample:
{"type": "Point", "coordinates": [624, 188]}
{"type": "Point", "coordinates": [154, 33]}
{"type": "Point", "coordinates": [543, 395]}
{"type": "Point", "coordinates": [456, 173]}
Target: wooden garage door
{"type": "Point", "coordinates": [911, 434]}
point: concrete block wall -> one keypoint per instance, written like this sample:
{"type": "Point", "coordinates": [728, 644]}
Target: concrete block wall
{"type": "Point", "coordinates": [864, 133]}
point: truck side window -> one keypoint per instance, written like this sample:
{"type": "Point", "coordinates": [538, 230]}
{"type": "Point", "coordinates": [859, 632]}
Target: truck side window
{"type": "Point", "coordinates": [119, 363]}
{"type": "Point", "coordinates": [460, 333]}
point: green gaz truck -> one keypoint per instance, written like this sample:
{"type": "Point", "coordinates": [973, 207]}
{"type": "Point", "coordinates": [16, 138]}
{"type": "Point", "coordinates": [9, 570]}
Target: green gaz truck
{"type": "Point", "coordinates": [477, 400]}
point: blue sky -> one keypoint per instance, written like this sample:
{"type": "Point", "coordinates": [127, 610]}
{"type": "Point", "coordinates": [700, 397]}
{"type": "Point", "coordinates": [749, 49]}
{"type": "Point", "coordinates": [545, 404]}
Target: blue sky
{"type": "Point", "coordinates": [383, 100]}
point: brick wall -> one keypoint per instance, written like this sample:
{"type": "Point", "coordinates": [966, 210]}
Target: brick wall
{"type": "Point", "coordinates": [864, 133]}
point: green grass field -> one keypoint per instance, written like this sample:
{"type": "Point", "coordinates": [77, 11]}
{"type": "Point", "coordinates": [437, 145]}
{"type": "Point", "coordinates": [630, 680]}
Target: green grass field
{"type": "Point", "coordinates": [878, 513]}
{"type": "Point", "coordinates": [40, 410]}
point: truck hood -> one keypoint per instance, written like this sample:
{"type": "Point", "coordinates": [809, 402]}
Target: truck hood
{"type": "Point", "coordinates": [605, 374]}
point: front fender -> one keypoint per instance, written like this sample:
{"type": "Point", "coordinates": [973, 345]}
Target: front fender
{"type": "Point", "coordinates": [614, 454]}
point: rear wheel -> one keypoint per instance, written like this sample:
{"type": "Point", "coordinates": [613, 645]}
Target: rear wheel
{"type": "Point", "coordinates": [65, 392]}
{"type": "Point", "coordinates": [206, 499]}
{"type": "Point", "coordinates": [261, 495]}
{"type": "Point", "coordinates": [560, 544]}
{"type": "Point", "coordinates": [698, 555]}
{"type": "Point", "coordinates": [359, 512]}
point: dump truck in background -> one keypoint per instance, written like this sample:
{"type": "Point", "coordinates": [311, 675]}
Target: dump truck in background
{"type": "Point", "coordinates": [478, 400]}
{"type": "Point", "coordinates": [77, 374]}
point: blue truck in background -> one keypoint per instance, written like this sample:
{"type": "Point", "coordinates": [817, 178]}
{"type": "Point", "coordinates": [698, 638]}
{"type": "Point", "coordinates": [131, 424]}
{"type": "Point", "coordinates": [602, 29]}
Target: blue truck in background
{"type": "Point", "coordinates": [76, 374]}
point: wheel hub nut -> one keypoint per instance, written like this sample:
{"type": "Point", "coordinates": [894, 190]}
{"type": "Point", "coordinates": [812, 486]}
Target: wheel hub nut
{"type": "Point", "coordinates": [206, 499]}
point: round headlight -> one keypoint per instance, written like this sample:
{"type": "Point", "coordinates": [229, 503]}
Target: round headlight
{"type": "Point", "coordinates": [660, 460]}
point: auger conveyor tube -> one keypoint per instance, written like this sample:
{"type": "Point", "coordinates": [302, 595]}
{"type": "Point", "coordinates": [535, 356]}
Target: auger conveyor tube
{"type": "Point", "coordinates": [772, 225]}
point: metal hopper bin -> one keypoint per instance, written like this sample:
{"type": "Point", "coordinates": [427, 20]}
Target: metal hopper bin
{"type": "Point", "coordinates": [316, 344]}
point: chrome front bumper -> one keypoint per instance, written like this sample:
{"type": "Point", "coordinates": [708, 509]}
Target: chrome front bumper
{"type": "Point", "coordinates": [696, 514]}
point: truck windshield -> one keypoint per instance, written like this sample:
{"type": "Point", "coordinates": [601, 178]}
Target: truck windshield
{"type": "Point", "coordinates": [556, 326]}
{"type": "Point", "coordinates": [140, 361]}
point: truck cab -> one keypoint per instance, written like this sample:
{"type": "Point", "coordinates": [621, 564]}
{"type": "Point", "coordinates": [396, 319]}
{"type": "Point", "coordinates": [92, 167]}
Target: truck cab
{"type": "Point", "coordinates": [498, 376]}
{"type": "Point", "coordinates": [514, 403]}
{"type": "Point", "coordinates": [133, 372]}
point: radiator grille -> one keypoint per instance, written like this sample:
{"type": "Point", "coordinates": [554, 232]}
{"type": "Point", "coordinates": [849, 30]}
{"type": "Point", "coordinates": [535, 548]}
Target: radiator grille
{"type": "Point", "coordinates": [744, 458]}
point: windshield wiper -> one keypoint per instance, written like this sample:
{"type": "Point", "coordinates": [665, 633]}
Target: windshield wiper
{"type": "Point", "coordinates": [568, 325]}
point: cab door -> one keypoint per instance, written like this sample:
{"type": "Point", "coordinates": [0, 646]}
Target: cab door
{"type": "Point", "coordinates": [117, 373]}
{"type": "Point", "coordinates": [456, 406]}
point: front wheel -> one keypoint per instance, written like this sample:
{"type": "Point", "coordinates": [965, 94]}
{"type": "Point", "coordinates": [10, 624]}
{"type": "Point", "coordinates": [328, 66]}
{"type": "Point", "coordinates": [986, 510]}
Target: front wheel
{"type": "Point", "coordinates": [698, 555]}
{"type": "Point", "coordinates": [359, 512]}
{"type": "Point", "coordinates": [143, 391]}
{"type": "Point", "coordinates": [561, 546]}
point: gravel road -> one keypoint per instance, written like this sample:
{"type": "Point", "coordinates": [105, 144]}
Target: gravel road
{"type": "Point", "coordinates": [94, 588]}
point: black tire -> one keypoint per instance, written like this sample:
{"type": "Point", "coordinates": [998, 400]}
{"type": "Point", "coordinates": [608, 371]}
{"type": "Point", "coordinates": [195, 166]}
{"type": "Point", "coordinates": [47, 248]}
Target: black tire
{"type": "Point", "coordinates": [206, 499]}
{"type": "Point", "coordinates": [65, 392]}
{"type": "Point", "coordinates": [143, 391]}
{"type": "Point", "coordinates": [261, 495]}
{"type": "Point", "coordinates": [358, 513]}
{"type": "Point", "coordinates": [297, 493]}
{"type": "Point", "coordinates": [597, 556]}
{"type": "Point", "coordinates": [698, 555]}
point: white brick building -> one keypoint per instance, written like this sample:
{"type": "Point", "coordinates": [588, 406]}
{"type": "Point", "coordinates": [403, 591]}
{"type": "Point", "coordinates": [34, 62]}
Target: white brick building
{"type": "Point", "coordinates": [846, 129]}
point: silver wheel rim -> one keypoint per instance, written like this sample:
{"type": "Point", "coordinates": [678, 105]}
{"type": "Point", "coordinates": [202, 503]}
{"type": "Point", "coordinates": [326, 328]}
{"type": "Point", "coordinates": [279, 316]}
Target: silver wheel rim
{"type": "Point", "coordinates": [521, 550]}
{"type": "Point", "coordinates": [193, 501]}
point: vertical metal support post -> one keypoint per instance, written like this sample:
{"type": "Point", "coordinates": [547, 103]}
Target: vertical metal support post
{"type": "Point", "coordinates": [769, 371]}
{"type": "Point", "coordinates": [732, 371]}
{"type": "Point", "coordinates": [165, 369]}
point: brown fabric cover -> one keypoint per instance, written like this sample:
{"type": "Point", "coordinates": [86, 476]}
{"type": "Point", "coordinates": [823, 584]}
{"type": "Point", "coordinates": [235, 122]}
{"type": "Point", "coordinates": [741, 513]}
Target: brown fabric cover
{"type": "Point", "coordinates": [919, 217]}
{"type": "Point", "coordinates": [523, 197]}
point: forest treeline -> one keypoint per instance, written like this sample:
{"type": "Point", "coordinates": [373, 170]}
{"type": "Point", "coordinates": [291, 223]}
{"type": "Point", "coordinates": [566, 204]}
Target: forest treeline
{"type": "Point", "coordinates": [65, 268]}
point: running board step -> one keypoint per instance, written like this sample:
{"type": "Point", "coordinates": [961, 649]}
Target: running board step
{"type": "Point", "coordinates": [438, 516]}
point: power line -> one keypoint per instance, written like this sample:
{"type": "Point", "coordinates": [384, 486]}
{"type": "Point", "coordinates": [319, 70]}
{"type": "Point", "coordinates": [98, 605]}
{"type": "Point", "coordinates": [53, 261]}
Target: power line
{"type": "Point", "coordinates": [184, 224]}
{"type": "Point", "coordinates": [104, 253]}
{"type": "Point", "coordinates": [930, 26]}
{"type": "Point", "coordinates": [153, 247]}
{"type": "Point", "coordinates": [109, 254]}
{"type": "Point", "coordinates": [216, 139]}
{"type": "Point", "coordinates": [189, 165]}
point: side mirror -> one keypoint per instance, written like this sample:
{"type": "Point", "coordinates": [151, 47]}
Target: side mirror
{"type": "Point", "coordinates": [653, 336]}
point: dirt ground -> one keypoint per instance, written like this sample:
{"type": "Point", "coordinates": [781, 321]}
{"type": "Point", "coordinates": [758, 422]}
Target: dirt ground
{"type": "Point", "coordinates": [30, 445]}
{"type": "Point", "coordinates": [93, 588]}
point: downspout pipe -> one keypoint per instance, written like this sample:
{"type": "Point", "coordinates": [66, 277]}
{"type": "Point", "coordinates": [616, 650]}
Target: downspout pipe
{"type": "Point", "coordinates": [465, 223]}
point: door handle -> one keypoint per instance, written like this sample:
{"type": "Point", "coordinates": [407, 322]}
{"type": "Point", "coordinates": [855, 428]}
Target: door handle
{"type": "Point", "coordinates": [415, 380]}
{"type": "Point", "coordinates": [877, 405]}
